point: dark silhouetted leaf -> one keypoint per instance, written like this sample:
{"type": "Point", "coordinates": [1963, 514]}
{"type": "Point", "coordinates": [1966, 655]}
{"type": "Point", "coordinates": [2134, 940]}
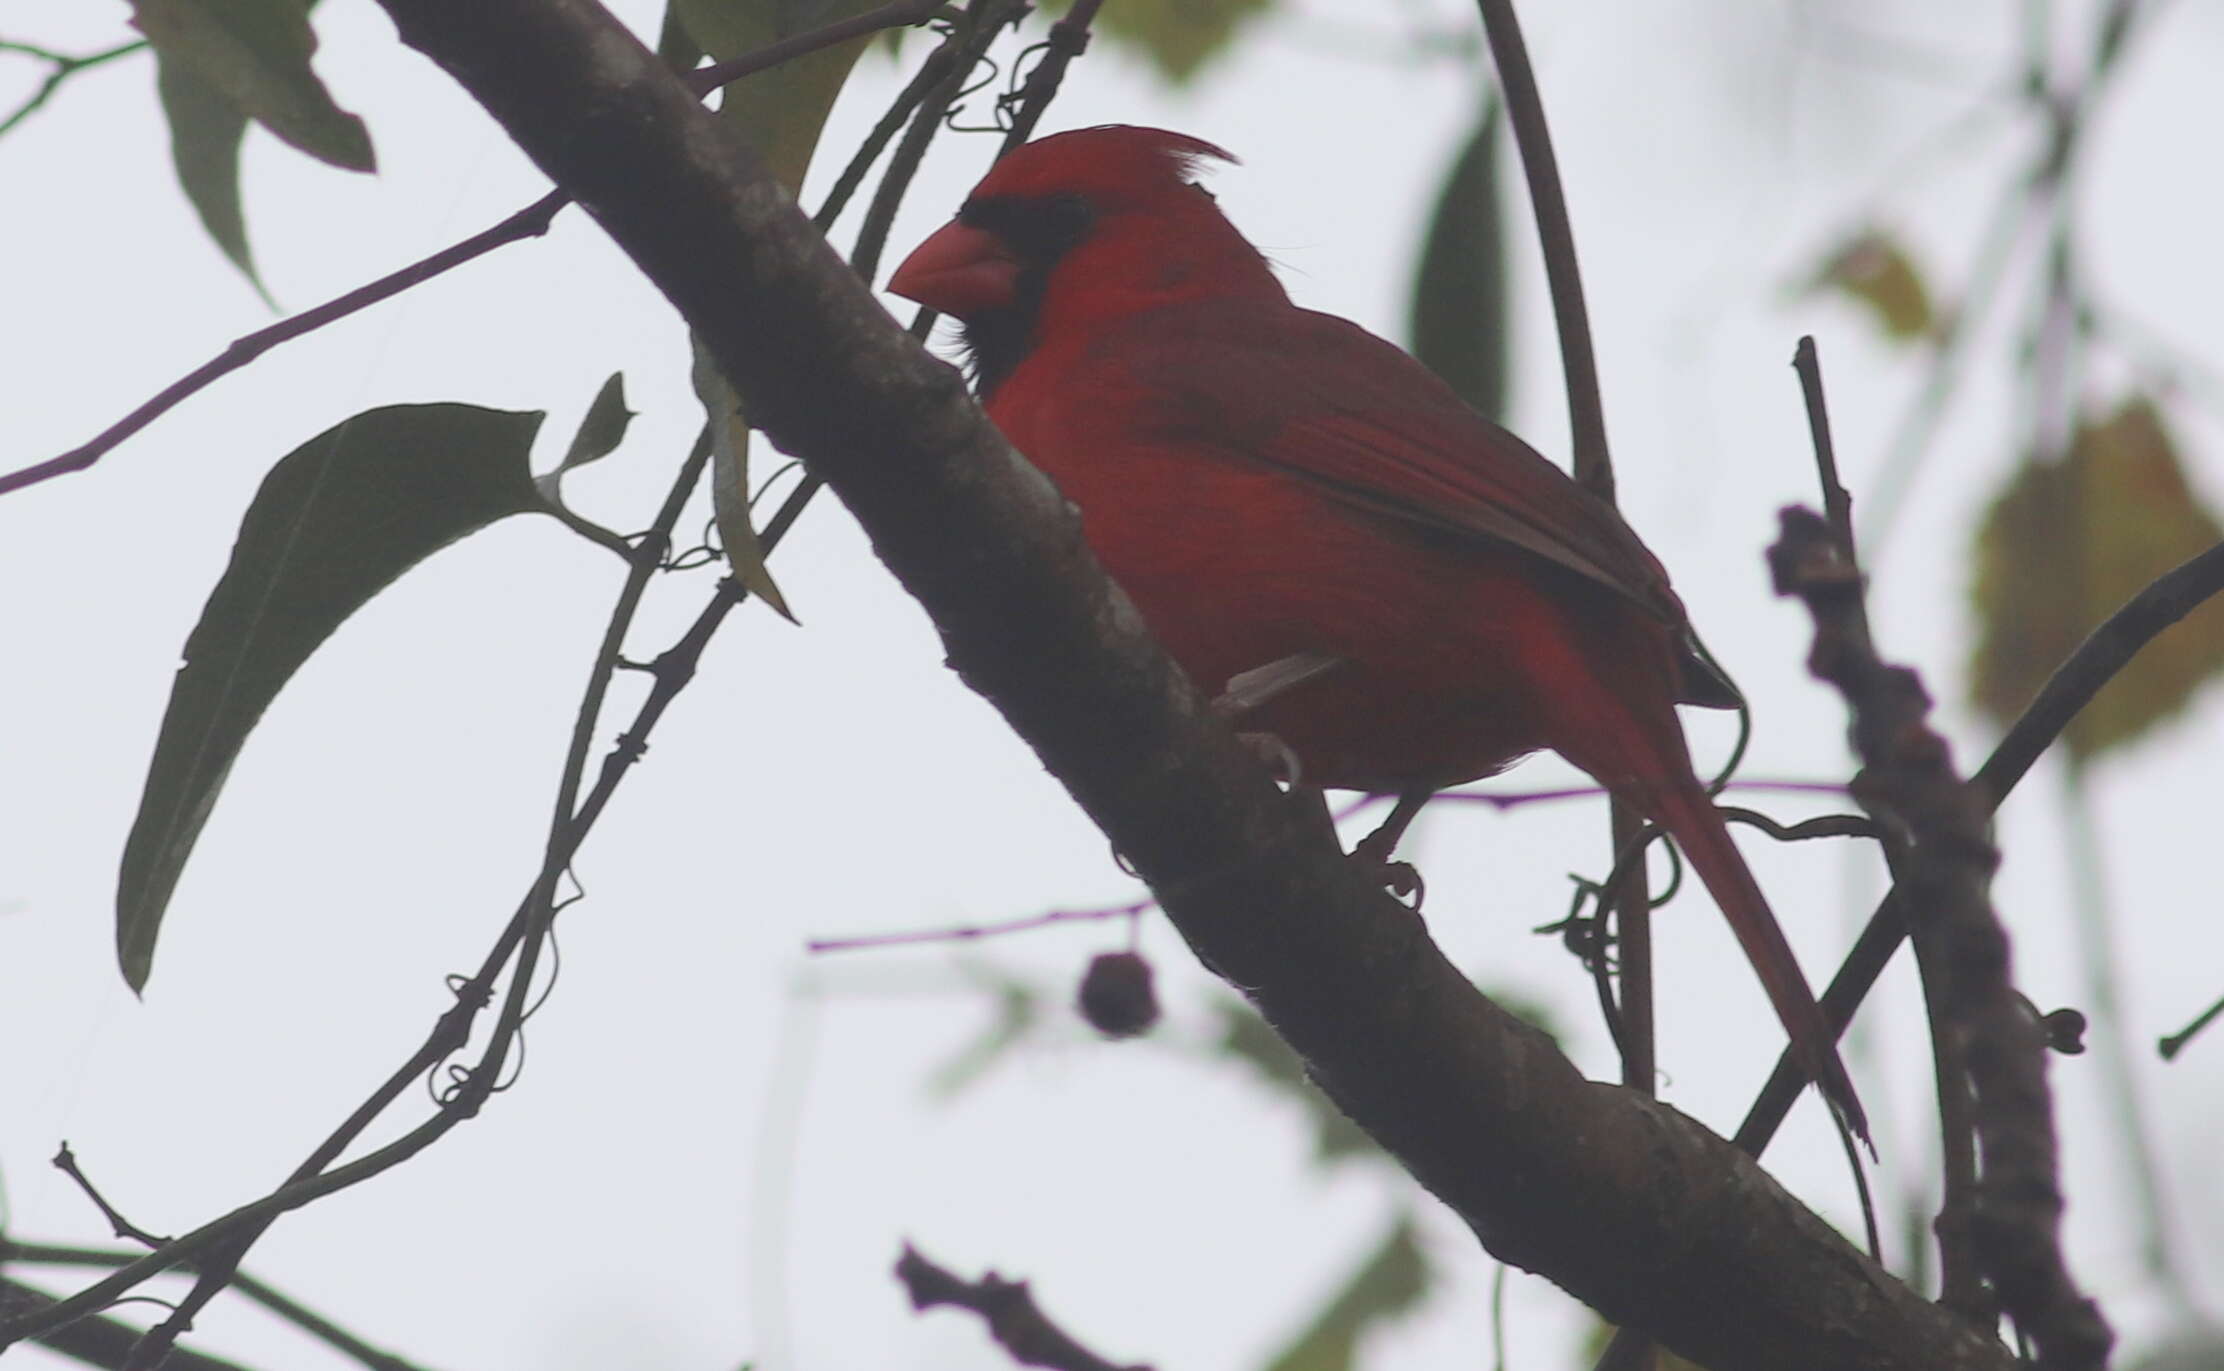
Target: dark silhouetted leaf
{"type": "Point", "coordinates": [335, 522]}
{"type": "Point", "coordinates": [1389, 1282]}
{"type": "Point", "coordinates": [256, 54]}
{"type": "Point", "coordinates": [1458, 321]}
{"type": "Point", "coordinates": [2064, 545]}
{"type": "Point", "coordinates": [1177, 37]}
{"type": "Point", "coordinates": [205, 133]}
{"type": "Point", "coordinates": [1876, 270]}
{"type": "Point", "coordinates": [603, 428]}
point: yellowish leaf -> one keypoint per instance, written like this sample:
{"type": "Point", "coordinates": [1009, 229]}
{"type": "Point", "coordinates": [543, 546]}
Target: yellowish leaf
{"type": "Point", "coordinates": [2063, 547]}
{"type": "Point", "coordinates": [1876, 270]}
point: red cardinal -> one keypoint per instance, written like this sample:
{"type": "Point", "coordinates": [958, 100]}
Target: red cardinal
{"type": "Point", "coordinates": [1429, 598]}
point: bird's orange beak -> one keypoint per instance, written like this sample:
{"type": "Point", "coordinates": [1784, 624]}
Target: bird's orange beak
{"type": "Point", "coordinates": [961, 271]}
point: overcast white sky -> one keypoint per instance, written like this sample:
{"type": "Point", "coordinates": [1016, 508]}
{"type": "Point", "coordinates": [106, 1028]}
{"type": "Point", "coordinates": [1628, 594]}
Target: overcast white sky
{"type": "Point", "coordinates": [718, 1144]}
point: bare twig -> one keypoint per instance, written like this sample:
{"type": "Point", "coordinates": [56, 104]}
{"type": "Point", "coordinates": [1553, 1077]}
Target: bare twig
{"type": "Point", "coordinates": [1593, 469]}
{"type": "Point", "coordinates": [1525, 110]}
{"type": "Point", "coordinates": [897, 15]}
{"type": "Point", "coordinates": [1908, 779]}
{"type": "Point", "coordinates": [1068, 39]}
{"type": "Point", "coordinates": [97, 1341]}
{"type": "Point", "coordinates": [969, 932]}
{"type": "Point", "coordinates": [61, 67]}
{"type": "Point", "coordinates": [529, 222]}
{"type": "Point", "coordinates": [269, 1297]}
{"type": "Point", "coordinates": [2171, 1046]}
{"type": "Point", "coordinates": [1007, 1307]}
{"type": "Point", "coordinates": [65, 1161]}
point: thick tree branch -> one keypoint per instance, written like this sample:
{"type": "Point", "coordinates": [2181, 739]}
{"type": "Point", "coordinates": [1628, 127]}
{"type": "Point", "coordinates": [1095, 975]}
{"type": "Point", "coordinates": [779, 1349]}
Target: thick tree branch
{"type": "Point", "coordinates": [1626, 1203]}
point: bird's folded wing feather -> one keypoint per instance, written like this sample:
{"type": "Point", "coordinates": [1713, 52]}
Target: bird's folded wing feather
{"type": "Point", "coordinates": [1338, 407]}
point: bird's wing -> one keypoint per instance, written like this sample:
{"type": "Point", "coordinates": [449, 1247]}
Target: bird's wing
{"type": "Point", "coordinates": [1330, 403]}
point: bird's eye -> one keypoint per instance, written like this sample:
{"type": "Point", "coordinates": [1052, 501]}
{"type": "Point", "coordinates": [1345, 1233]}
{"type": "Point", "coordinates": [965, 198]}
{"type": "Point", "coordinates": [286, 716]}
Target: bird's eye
{"type": "Point", "coordinates": [1040, 230]}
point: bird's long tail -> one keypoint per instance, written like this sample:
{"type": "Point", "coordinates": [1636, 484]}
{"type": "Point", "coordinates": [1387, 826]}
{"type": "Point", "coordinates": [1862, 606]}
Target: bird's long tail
{"type": "Point", "coordinates": [1689, 815]}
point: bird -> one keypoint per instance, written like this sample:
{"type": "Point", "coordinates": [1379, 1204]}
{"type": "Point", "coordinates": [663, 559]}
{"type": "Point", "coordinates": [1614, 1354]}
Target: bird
{"type": "Point", "coordinates": [1401, 594]}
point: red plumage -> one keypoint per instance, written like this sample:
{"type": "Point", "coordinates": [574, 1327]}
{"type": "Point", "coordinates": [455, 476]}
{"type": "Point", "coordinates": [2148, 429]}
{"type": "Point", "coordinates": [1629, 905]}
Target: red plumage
{"type": "Point", "coordinates": [1266, 481]}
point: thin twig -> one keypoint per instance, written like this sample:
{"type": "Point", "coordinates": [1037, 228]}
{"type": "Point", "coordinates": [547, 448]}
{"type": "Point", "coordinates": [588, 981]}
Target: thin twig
{"type": "Point", "coordinates": [1068, 39]}
{"type": "Point", "coordinates": [64, 66]}
{"type": "Point", "coordinates": [2171, 1046]}
{"type": "Point", "coordinates": [98, 1341]}
{"type": "Point", "coordinates": [967, 933]}
{"type": "Point", "coordinates": [1594, 468]}
{"type": "Point", "coordinates": [897, 15]}
{"type": "Point", "coordinates": [529, 222]}
{"type": "Point", "coordinates": [65, 1161]}
{"type": "Point", "coordinates": [1009, 1310]}
{"type": "Point", "coordinates": [261, 1292]}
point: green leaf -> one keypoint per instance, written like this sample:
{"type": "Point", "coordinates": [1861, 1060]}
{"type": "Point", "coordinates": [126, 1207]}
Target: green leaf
{"type": "Point", "coordinates": [1248, 1038]}
{"type": "Point", "coordinates": [336, 521]}
{"type": "Point", "coordinates": [780, 110]}
{"type": "Point", "coordinates": [603, 428]}
{"type": "Point", "coordinates": [1018, 1011]}
{"type": "Point", "coordinates": [256, 54]}
{"type": "Point", "coordinates": [1177, 37]}
{"type": "Point", "coordinates": [1389, 1282]}
{"type": "Point", "coordinates": [600, 432]}
{"type": "Point", "coordinates": [205, 133]}
{"type": "Point", "coordinates": [2063, 546]}
{"type": "Point", "coordinates": [675, 44]}
{"type": "Point", "coordinates": [1458, 320]}
{"type": "Point", "coordinates": [1876, 270]}
{"type": "Point", "coordinates": [729, 484]}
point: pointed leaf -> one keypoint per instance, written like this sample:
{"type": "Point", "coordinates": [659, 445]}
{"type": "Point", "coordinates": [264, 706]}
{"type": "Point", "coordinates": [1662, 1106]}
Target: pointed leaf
{"type": "Point", "coordinates": [205, 133]}
{"type": "Point", "coordinates": [729, 484]}
{"type": "Point", "coordinates": [1388, 1283]}
{"type": "Point", "coordinates": [1458, 319]}
{"type": "Point", "coordinates": [2064, 545]}
{"type": "Point", "coordinates": [603, 428]}
{"type": "Point", "coordinates": [256, 53]}
{"type": "Point", "coordinates": [782, 109]}
{"type": "Point", "coordinates": [1177, 37]}
{"type": "Point", "coordinates": [335, 522]}
{"type": "Point", "coordinates": [1874, 268]}
{"type": "Point", "coordinates": [600, 432]}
